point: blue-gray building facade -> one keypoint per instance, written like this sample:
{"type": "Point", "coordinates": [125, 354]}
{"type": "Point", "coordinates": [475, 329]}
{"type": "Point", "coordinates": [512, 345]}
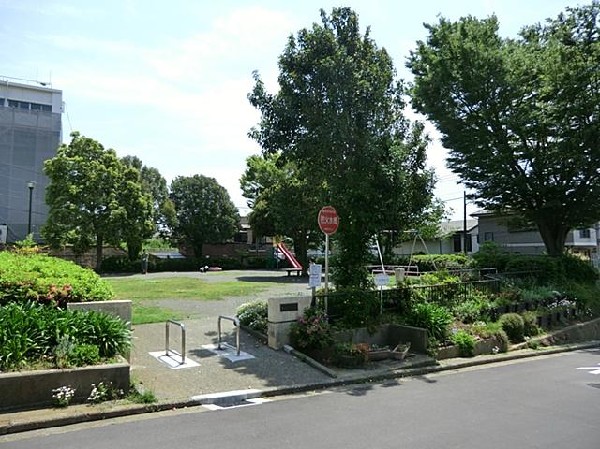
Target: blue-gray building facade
{"type": "Point", "coordinates": [30, 133]}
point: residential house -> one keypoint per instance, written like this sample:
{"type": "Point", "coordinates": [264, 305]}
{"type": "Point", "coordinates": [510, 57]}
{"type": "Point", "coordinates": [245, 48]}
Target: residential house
{"type": "Point", "coordinates": [519, 236]}
{"type": "Point", "coordinates": [450, 241]}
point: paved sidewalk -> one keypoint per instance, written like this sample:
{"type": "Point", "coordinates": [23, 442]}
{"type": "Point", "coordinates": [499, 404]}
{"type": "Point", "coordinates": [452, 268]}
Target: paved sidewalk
{"type": "Point", "coordinates": [215, 378]}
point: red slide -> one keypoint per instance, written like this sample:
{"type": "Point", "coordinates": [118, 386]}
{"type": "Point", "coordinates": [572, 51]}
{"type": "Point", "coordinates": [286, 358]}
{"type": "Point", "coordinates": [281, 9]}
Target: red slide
{"type": "Point", "coordinates": [289, 256]}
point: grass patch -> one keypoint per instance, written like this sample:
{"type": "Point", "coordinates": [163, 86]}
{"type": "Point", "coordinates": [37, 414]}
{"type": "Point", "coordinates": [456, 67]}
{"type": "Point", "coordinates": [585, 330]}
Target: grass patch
{"type": "Point", "coordinates": [150, 314]}
{"type": "Point", "coordinates": [182, 288]}
{"type": "Point", "coordinates": [143, 291]}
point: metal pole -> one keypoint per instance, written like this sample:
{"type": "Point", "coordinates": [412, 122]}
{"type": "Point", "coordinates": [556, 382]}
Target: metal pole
{"type": "Point", "coordinates": [31, 185]}
{"type": "Point", "coordinates": [465, 222]}
{"type": "Point", "coordinates": [326, 269]}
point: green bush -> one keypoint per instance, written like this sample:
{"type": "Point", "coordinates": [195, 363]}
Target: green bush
{"type": "Point", "coordinates": [514, 326]}
{"type": "Point", "coordinates": [31, 333]}
{"type": "Point", "coordinates": [503, 339]}
{"type": "Point", "coordinates": [46, 279]}
{"type": "Point", "coordinates": [577, 270]}
{"type": "Point", "coordinates": [465, 342]}
{"type": "Point", "coordinates": [530, 327]}
{"type": "Point", "coordinates": [437, 262]}
{"type": "Point", "coordinates": [312, 330]}
{"type": "Point", "coordinates": [474, 308]}
{"type": "Point", "coordinates": [254, 315]}
{"type": "Point", "coordinates": [586, 296]}
{"type": "Point", "coordinates": [490, 255]}
{"type": "Point", "coordinates": [436, 319]}
{"type": "Point", "coordinates": [354, 307]}
{"type": "Point", "coordinates": [120, 264]}
{"type": "Point", "coordinates": [543, 269]}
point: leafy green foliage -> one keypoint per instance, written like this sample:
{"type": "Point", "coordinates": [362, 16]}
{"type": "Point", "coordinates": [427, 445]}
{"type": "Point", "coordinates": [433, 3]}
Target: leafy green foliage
{"type": "Point", "coordinates": [254, 315]}
{"type": "Point", "coordinates": [434, 262]}
{"type": "Point", "coordinates": [47, 279]}
{"type": "Point", "coordinates": [474, 308]}
{"type": "Point", "coordinates": [541, 268]}
{"type": "Point", "coordinates": [204, 212]}
{"type": "Point", "coordinates": [514, 326]}
{"type": "Point", "coordinates": [155, 186]}
{"type": "Point", "coordinates": [312, 330]}
{"type": "Point", "coordinates": [283, 202]}
{"type": "Point", "coordinates": [338, 117]}
{"type": "Point", "coordinates": [513, 111]}
{"type": "Point", "coordinates": [354, 308]}
{"type": "Point", "coordinates": [140, 395]}
{"type": "Point", "coordinates": [530, 327]}
{"type": "Point", "coordinates": [435, 319]}
{"type": "Point", "coordinates": [93, 198]}
{"type": "Point", "coordinates": [31, 332]}
{"type": "Point", "coordinates": [491, 255]}
{"type": "Point", "coordinates": [465, 342]}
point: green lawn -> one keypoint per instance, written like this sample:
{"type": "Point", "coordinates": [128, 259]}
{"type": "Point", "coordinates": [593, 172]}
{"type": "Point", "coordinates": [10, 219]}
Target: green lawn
{"type": "Point", "coordinates": [142, 292]}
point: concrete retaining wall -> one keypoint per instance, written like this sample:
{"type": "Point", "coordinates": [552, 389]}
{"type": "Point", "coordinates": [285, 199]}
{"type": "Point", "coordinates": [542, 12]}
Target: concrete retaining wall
{"type": "Point", "coordinates": [33, 389]}
{"type": "Point", "coordinates": [118, 308]}
{"type": "Point", "coordinates": [387, 335]}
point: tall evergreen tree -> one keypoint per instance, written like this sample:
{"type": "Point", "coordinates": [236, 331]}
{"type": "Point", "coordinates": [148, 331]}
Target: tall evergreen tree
{"type": "Point", "coordinates": [338, 116]}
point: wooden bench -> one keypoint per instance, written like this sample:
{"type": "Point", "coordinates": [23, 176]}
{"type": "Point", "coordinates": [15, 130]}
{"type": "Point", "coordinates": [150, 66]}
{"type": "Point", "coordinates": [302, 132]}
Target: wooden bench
{"type": "Point", "coordinates": [298, 271]}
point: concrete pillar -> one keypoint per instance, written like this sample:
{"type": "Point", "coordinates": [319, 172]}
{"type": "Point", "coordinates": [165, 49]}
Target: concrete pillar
{"type": "Point", "coordinates": [282, 312]}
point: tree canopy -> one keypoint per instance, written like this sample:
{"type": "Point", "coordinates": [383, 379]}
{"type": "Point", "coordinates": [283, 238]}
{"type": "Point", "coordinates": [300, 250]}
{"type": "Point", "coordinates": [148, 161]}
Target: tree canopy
{"type": "Point", "coordinates": [93, 198]}
{"type": "Point", "coordinates": [520, 117]}
{"type": "Point", "coordinates": [163, 213]}
{"type": "Point", "coordinates": [204, 212]}
{"type": "Point", "coordinates": [338, 116]}
{"type": "Point", "coordinates": [282, 202]}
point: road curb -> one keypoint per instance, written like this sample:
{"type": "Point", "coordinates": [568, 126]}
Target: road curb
{"type": "Point", "coordinates": [195, 401]}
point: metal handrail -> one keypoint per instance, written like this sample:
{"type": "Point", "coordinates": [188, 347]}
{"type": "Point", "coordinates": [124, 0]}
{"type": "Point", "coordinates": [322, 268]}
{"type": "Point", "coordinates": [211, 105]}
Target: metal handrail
{"type": "Point", "coordinates": [236, 323]}
{"type": "Point", "coordinates": [182, 326]}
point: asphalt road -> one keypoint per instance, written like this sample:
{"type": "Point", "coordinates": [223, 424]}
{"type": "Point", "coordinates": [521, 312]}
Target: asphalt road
{"type": "Point", "coordinates": [546, 402]}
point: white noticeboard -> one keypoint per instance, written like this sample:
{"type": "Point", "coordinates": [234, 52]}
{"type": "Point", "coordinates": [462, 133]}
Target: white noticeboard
{"type": "Point", "coordinates": [314, 279]}
{"type": "Point", "coordinates": [381, 279]}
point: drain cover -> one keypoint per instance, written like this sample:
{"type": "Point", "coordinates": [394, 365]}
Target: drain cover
{"type": "Point", "coordinates": [234, 403]}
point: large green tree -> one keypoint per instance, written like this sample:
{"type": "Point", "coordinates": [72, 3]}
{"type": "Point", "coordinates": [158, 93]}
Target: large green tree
{"type": "Point", "coordinates": [520, 117]}
{"type": "Point", "coordinates": [155, 185]}
{"type": "Point", "coordinates": [282, 201]}
{"type": "Point", "coordinates": [93, 198]}
{"type": "Point", "coordinates": [338, 115]}
{"type": "Point", "coordinates": [204, 212]}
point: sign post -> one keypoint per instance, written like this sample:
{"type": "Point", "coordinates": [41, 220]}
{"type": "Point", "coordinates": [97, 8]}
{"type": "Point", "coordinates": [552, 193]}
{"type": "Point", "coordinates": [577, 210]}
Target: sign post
{"type": "Point", "coordinates": [328, 222]}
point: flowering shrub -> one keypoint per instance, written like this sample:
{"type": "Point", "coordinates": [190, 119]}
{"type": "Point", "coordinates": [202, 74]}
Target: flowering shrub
{"type": "Point", "coordinates": [63, 395]}
{"type": "Point", "coordinates": [312, 330]}
{"type": "Point", "coordinates": [254, 315]}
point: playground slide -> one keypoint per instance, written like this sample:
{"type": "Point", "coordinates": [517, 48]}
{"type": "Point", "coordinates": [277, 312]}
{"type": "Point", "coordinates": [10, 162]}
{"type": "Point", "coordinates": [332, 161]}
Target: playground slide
{"type": "Point", "coordinates": [289, 256]}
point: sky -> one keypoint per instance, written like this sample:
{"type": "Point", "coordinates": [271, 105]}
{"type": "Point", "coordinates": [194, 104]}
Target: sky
{"type": "Point", "coordinates": [168, 81]}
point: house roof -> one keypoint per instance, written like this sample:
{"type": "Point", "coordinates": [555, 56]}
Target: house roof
{"type": "Point", "coordinates": [457, 226]}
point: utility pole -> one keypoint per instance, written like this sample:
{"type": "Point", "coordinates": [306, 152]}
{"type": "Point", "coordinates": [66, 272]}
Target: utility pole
{"type": "Point", "coordinates": [465, 222]}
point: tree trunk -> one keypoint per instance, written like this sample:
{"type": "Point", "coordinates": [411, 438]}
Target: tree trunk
{"type": "Point", "coordinates": [554, 235]}
{"type": "Point", "coordinates": [300, 249]}
{"type": "Point", "coordinates": [99, 247]}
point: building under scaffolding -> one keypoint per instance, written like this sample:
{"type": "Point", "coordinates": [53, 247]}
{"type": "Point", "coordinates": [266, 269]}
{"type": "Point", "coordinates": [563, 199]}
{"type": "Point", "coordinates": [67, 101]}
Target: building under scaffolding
{"type": "Point", "coordinates": [30, 133]}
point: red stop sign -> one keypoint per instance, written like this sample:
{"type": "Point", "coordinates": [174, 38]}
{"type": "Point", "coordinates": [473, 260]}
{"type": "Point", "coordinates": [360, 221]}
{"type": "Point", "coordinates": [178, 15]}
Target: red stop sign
{"type": "Point", "coordinates": [328, 220]}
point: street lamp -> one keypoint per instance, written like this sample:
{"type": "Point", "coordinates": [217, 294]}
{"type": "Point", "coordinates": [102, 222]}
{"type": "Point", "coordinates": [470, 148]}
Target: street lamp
{"type": "Point", "coordinates": [31, 186]}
